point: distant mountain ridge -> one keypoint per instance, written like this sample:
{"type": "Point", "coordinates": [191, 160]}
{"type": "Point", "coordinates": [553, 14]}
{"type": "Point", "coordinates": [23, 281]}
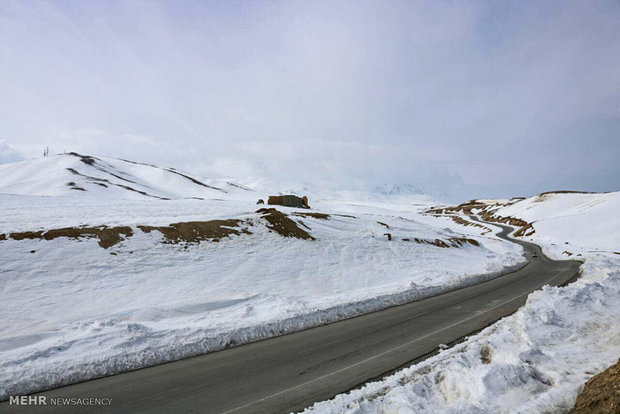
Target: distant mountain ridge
{"type": "Point", "coordinates": [399, 189]}
{"type": "Point", "coordinates": [73, 174]}
{"type": "Point", "coordinates": [87, 176]}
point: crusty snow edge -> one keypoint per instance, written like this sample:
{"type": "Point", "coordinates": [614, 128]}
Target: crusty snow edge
{"type": "Point", "coordinates": [31, 380]}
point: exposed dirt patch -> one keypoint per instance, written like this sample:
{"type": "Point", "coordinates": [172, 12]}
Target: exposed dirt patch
{"type": "Point", "coordinates": [86, 159]}
{"type": "Point", "coordinates": [303, 224]}
{"type": "Point", "coordinates": [74, 186]}
{"type": "Point", "coordinates": [601, 394]}
{"type": "Point", "coordinates": [108, 236]}
{"type": "Point", "coordinates": [126, 187]}
{"type": "Point", "coordinates": [486, 212]}
{"type": "Point", "coordinates": [320, 216]}
{"type": "Point", "coordinates": [568, 192]}
{"type": "Point", "coordinates": [175, 233]}
{"type": "Point", "coordinates": [26, 235]}
{"type": "Point", "coordinates": [92, 161]}
{"type": "Point", "coordinates": [197, 231]}
{"type": "Point", "coordinates": [141, 163]}
{"type": "Point", "coordinates": [195, 181]}
{"type": "Point", "coordinates": [101, 181]}
{"type": "Point", "coordinates": [116, 175]}
{"type": "Point", "coordinates": [281, 224]}
{"type": "Point", "coordinates": [451, 242]}
{"type": "Point", "coordinates": [512, 221]}
{"type": "Point", "coordinates": [486, 354]}
{"type": "Point", "coordinates": [526, 230]}
{"type": "Point", "coordinates": [461, 241]}
{"type": "Point", "coordinates": [465, 207]}
{"type": "Point", "coordinates": [344, 215]}
{"type": "Point", "coordinates": [242, 187]}
{"type": "Point", "coordinates": [76, 172]}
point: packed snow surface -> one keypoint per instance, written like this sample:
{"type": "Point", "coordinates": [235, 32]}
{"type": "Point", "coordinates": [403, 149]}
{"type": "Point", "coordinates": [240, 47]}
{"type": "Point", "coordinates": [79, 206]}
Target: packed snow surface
{"type": "Point", "coordinates": [72, 310]}
{"type": "Point", "coordinates": [536, 360]}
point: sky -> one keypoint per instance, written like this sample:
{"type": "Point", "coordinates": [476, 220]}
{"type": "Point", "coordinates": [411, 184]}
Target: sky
{"type": "Point", "coordinates": [463, 98]}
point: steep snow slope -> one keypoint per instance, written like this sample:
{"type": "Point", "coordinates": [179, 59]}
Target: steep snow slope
{"type": "Point", "coordinates": [536, 360]}
{"type": "Point", "coordinates": [98, 177]}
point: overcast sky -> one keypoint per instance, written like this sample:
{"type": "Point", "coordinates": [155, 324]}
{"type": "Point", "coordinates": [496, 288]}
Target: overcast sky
{"type": "Point", "coordinates": [495, 98]}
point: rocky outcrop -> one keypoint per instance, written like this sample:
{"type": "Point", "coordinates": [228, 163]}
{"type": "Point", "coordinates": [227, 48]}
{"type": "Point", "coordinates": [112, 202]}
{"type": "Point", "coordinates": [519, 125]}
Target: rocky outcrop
{"type": "Point", "coordinates": [282, 224]}
{"type": "Point", "coordinates": [601, 394]}
{"type": "Point", "coordinates": [108, 236]}
{"type": "Point", "coordinates": [197, 231]}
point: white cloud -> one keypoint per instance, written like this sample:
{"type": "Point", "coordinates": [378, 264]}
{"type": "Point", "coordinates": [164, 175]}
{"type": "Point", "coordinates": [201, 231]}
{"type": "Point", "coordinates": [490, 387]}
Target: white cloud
{"type": "Point", "coordinates": [500, 95]}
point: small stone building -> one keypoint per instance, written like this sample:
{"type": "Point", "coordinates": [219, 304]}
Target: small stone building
{"type": "Point", "coordinates": [289, 201]}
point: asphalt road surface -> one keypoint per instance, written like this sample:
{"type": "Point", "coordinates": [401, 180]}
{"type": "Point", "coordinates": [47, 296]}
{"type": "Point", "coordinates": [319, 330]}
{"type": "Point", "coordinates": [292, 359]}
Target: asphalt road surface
{"type": "Point", "coordinates": [291, 372]}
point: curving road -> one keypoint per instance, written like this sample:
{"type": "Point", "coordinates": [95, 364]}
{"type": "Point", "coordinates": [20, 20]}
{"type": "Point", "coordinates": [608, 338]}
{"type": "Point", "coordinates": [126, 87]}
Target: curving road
{"type": "Point", "coordinates": [291, 372]}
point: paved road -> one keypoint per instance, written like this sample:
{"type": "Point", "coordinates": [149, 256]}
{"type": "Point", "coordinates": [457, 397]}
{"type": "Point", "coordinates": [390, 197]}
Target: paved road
{"type": "Point", "coordinates": [291, 372]}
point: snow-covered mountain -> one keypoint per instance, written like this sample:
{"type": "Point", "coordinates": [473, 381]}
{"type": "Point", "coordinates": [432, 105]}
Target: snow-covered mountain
{"type": "Point", "coordinates": [73, 174]}
{"type": "Point", "coordinates": [102, 178]}
{"type": "Point", "coordinates": [399, 189]}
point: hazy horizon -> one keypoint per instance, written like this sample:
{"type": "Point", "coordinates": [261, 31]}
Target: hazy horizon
{"type": "Point", "coordinates": [477, 99]}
